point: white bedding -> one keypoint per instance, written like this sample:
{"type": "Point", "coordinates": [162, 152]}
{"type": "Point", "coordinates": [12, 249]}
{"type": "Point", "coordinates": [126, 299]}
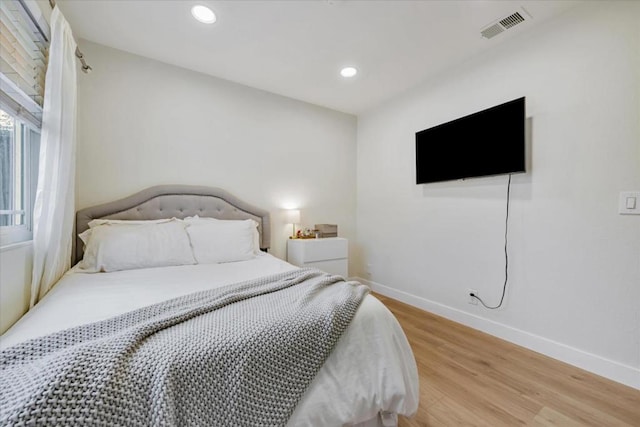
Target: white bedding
{"type": "Point", "coordinates": [371, 369]}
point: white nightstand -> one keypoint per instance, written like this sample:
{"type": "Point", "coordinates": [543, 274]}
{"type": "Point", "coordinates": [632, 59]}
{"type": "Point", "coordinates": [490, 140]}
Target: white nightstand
{"type": "Point", "coordinates": [330, 254]}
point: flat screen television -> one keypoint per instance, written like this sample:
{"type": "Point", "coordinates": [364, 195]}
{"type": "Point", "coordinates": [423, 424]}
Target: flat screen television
{"type": "Point", "coordinates": [489, 142]}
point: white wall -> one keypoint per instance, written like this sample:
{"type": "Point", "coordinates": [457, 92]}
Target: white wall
{"type": "Point", "coordinates": [144, 123]}
{"type": "Point", "coordinates": [574, 289]}
{"type": "Point", "coordinates": [16, 262]}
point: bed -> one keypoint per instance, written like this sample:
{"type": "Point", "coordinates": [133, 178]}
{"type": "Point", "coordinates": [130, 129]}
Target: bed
{"type": "Point", "coordinates": [368, 378]}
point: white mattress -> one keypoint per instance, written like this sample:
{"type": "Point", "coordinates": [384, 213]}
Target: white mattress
{"type": "Point", "coordinates": [371, 369]}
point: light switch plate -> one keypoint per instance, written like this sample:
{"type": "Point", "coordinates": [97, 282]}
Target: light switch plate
{"type": "Point", "coordinates": [629, 203]}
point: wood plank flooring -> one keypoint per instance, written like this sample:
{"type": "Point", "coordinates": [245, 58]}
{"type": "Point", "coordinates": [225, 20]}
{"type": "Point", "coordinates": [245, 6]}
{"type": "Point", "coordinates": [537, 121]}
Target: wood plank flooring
{"type": "Point", "coordinates": [469, 378]}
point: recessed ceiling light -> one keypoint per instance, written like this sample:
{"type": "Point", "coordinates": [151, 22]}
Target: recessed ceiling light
{"type": "Point", "coordinates": [348, 72]}
{"type": "Point", "coordinates": [203, 14]}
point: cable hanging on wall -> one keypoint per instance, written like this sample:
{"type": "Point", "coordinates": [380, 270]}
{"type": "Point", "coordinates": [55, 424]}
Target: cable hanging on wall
{"type": "Point", "coordinates": [506, 257]}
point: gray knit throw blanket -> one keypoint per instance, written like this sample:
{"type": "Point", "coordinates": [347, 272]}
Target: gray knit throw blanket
{"type": "Point", "coordinates": [242, 355]}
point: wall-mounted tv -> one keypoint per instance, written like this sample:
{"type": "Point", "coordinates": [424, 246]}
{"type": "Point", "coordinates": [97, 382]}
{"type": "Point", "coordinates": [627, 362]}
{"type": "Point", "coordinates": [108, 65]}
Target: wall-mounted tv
{"type": "Point", "coordinates": [489, 142]}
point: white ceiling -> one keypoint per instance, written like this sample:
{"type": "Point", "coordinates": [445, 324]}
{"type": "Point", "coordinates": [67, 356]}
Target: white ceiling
{"type": "Point", "coordinates": [297, 48]}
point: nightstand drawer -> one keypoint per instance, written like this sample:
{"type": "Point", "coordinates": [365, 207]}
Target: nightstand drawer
{"type": "Point", "coordinates": [312, 250]}
{"type": "Point", "coordinates": [334, 266]}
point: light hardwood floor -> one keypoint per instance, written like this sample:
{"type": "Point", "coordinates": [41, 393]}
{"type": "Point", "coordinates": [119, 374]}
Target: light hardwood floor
{"type": "Point", "coordinates": [470, 378]}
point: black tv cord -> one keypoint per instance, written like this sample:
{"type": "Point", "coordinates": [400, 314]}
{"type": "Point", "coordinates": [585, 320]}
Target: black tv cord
{"type": "Point", "coordinates": [506, 257]}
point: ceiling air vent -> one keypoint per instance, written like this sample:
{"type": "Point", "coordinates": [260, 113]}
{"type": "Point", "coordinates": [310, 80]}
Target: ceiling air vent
{"type": "Point", "coordinates": [512, 20]}
{"type": "Point", "coordinates": [502, 25]}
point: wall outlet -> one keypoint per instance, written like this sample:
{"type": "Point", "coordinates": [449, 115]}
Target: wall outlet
{"type": "Point", "coordinates": [472, 300]}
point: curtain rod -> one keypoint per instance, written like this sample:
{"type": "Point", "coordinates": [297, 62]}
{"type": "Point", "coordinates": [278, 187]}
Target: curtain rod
{"type": "Point", "coordinates": [85, 67]}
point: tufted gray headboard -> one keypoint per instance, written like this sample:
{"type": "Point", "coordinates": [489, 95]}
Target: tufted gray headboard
{"type": "Point", "coordinates": [179, 201]}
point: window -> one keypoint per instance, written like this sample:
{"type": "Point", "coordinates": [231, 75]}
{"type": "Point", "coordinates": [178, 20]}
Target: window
{"type": "Point", "coordinates": [24, 41]}
{"type": "Point", "coordinates": [19, 153]}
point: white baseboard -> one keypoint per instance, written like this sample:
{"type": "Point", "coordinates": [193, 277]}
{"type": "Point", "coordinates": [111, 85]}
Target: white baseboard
{"type": "Point", "coordinates": [610, 369]}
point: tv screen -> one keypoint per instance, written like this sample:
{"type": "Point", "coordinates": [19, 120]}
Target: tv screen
{"type": "Point", "coordinates": [489, 142]}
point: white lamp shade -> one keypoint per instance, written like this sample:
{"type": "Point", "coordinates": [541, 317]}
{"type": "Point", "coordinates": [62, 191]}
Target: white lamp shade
{"type": "Point", "coordinates": [292, 216]}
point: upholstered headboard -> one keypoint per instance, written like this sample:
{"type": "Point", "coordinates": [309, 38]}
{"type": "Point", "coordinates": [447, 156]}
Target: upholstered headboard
{"type": "Point", "coordinates": [179, 201]}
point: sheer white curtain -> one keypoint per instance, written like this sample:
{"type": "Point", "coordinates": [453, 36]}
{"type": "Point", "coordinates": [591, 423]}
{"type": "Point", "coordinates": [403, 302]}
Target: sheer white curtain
{"type": "Point", "coordinates": [55, 198]}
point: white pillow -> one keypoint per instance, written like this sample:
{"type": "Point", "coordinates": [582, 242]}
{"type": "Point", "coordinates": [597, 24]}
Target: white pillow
{"type": "Point", "coordinates": [122, 246]}
{"type": "Point", "coordinates": [256, 235]}
{"type": "Point", "coordinates": [215, 241]}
